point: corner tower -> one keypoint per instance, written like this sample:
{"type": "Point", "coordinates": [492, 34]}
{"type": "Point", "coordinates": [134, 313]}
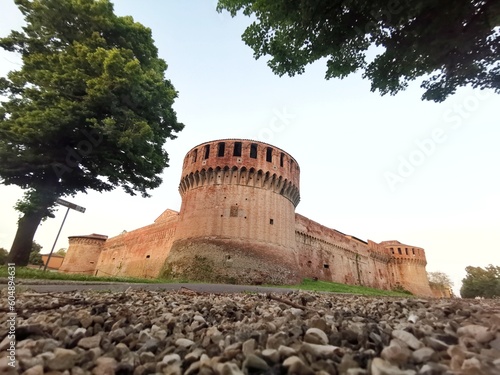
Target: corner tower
{"type": "Point", "coordinates": [237, 218]}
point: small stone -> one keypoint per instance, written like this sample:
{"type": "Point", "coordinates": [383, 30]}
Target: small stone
{"type": "Point", "coordinates": [422, 355]}
{"type": "Point", "coordinates": [90, 342]}
{"type": "Point", "coordinates": [381, 367]}
{"type": "Point", "coordinates": [291, 360]}
{"type": "Point", "coordinates": [64, 359]}
{"type": "Point", "coordinates": [105, 366]}
{"type": "Point", "coordinates": [407, 338]}
{"type": "Point", "coordinates": [185, 343]}
{"type": "Point", "coordinates": [230, 368]}
{"type": "Point", "coordinates": [296, 312]}
{"type": "Point", "coordinates": [436, 344]}
{"type": "Point", "coordinates": [199, 318]}
{"type": "Point", "coordinates": [248, 347]}
{"type": "Point", "coordinates": [86, 321]}
{"type": "Point", "coordinates": [300, 368]}
{"type": "Point", "coordinates": [146, 357]}
{"type": "Point", "coordinates": [255, 363]}
{"type": "Point", "coordinates": [316, 336]}
{"type": "Point", "coordinates": [192, 356]}
{"type": "Point", "coordinates": [36, 370]}
{"type": "Point", "coordinates": [431, 369]}
{"type": "Point", "coordinates": [117, 335]}
{"type": "Point", "coordinates": [319, 350]}
{"type": "Point", "coordinates": [271, 355]}
{"type": "Point", "coordinates": [395, 353]}
{"type": "Point", "coordinates": [171, 358]}
{"type": "Point", "coordinates": [480, 333]}
{"type": "Point", "coordinates": [286, 351]}
{"type": "Point", "coordinates": [274, 341]}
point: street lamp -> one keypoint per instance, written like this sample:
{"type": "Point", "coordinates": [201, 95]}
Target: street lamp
{"type": "Point", "coordinates": [72, 206]}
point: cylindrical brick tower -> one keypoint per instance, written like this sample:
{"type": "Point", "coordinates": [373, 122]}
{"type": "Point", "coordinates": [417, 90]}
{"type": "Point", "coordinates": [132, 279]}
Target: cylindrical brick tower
{"type": "Point", "coordinates": [407, 267]}
{"type": "Point", "coordinates": [83, 254]}
{"type": "Point", "coordinates": [237, 216]}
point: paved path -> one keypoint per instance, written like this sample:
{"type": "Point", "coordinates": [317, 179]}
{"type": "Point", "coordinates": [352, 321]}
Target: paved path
{"type": "Point", "coordinates": [43, 286]}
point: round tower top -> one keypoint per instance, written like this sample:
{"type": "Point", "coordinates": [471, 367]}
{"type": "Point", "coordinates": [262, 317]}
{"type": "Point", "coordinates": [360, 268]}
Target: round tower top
{"type": "Point", "coordinates": [242, 153]}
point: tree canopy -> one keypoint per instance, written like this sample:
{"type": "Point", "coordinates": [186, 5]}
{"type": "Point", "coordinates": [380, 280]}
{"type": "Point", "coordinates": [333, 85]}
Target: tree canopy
{"type": "Point", "coordinates": [439, 280]}
{"type": "Point", "coordinates": [35, 257]}
{"type": "Point", "coordinates": [90, 108]}
{"type": "Point", "coordinates": [3, 256]}
{"type": "Point", "coordinates": [481, 282]}
{"type": "Point", "coordinates": [61, 252]}
{"type": "Point", "coordinates": [448, 43]}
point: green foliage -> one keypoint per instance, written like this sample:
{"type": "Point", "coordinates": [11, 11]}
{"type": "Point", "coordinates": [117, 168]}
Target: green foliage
{"type": "Point", "coordinates": [61, 252]}
{"type": "Point", "coordinates": [3, 256]}
{"type": "Point", "coordinates": [439, 280]}
{"type": "Point", "coordinates": [481, 282]}
{"type": "Point", "coordinates": [90, 108]}
{"type": "Point", "coordinates": [35, 256]}
{"type": "Point", "coordinates": [448, 44]}
{"type": "Point", "coordinates": [30, 273]}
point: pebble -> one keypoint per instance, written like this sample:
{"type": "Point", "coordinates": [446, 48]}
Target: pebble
{"type": "Point", "coordinates": [316, 336]}
{"type": "Point", "coordinates": [408, 338]}
{"type": "Point", "coordinates": [90, 342]}
{"type": "Point", "coordinates": [162, 332]}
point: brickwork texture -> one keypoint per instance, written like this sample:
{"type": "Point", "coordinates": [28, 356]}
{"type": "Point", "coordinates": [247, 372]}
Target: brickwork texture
{"type": "Point", "coordinates": [237, 224]}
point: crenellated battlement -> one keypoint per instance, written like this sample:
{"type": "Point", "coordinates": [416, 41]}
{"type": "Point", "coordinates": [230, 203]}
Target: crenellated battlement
{"type": "Point", "coordinates": [242, 153]}
{"type": "Point", "coordinates": [241, 176]}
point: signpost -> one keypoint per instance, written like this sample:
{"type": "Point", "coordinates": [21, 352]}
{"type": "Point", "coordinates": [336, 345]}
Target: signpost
{"type": "Point", "coordinates": [72, 206]}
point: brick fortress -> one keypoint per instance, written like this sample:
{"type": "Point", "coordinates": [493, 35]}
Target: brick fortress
{"type": "Point", "coordinates": [237, 224]}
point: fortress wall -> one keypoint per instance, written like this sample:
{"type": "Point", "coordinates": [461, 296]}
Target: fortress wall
{"type": "Point", "coordinates": [83, 254]}
{"type": "Point", "coordinates": [139, 253]}
{"type": "Point", "coordinates": [330, 255]}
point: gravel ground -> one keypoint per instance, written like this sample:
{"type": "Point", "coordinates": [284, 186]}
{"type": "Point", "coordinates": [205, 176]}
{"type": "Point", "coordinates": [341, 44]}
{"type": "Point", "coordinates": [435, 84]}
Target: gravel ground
{"type": "Point", "coordinates": [185, 332]}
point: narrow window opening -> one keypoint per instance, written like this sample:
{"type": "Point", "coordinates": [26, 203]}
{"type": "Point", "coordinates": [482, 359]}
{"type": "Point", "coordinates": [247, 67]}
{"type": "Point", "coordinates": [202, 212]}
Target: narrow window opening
{"type": "Point", "coordinates": [326, 266]}
{"type": "Point", "coordinates": [392, 251]}
{"type": "Point", "coordinates": [253, 150]}
{"type": "Point", "coordinates": [291, 165]}
{"type": "Point", "coordinates": [207, 152]}
{"type": "Point", "coordinates": [222, 149]}
{"type": "Point", "coordinates": [269, 155]}
{"type": "Point", "coordinates": [91, 262]}
{"type": "Point", "coordinates": [195, 155]}
{"type": "Point", "coordinates": [406, 250]}
{"type": "Point", "coordinates": [282, 158]}
{"type": "Point", "coordinates": [237, 149]}
{"type": "Point", "coordinates": [413, 251]}
{"type": "Point", "coordinates": [399, 251]}
{"type": "Point", "coordinates": [271, 221]}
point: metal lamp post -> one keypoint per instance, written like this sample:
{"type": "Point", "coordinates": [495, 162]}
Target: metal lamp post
{"type": "Point", "coordinates": [70, 205]}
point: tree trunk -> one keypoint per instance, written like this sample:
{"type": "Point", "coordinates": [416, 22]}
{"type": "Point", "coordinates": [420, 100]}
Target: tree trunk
{"type": "Point", "coordinates": [26, 229]}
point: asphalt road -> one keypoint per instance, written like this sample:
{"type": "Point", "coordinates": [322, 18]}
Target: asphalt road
{"type": "Point", "coordinates": [50, 286]}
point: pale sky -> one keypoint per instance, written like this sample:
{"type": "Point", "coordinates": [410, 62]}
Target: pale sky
{"type": "Point", "coordinates": [379, 168]}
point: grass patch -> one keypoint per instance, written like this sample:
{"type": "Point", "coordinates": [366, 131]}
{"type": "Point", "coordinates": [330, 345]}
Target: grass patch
{"type": "Point", "coordinates": [30, 273]}
{"type": "Point", "coordinates": [327, 286]}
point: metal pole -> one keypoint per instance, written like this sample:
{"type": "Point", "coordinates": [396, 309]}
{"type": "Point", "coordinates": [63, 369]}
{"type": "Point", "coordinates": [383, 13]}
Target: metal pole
{"type": "Point", "coordinates": [57, 237]}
